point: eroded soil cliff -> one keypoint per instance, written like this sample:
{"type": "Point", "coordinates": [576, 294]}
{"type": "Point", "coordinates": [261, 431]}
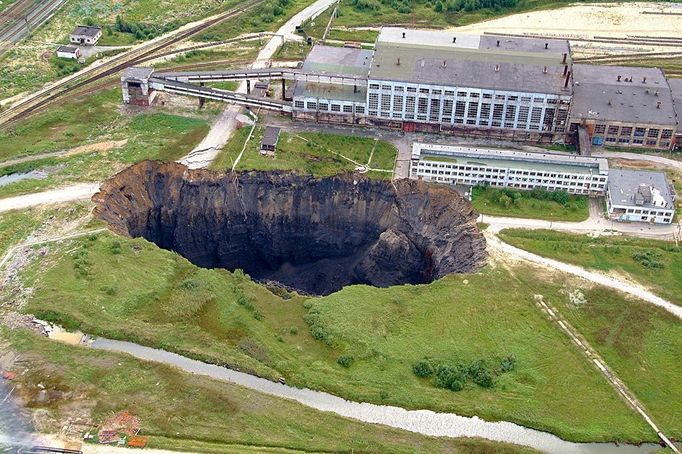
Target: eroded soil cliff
{"type": "Point", "coordinates": [315, 235]}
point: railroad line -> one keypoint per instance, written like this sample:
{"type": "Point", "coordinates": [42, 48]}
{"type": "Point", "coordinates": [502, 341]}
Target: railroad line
{"type": "Point", "coordinates": [143, 53]}
{"type": "Point", "coordinates": [15, 30]}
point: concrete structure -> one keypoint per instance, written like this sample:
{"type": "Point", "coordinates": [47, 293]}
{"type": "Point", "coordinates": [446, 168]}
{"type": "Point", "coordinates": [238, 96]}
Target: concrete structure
{"type": "Point", "coordinates": [509, 168]}
{"type": "Point", "coordinates": [676, 91]}
{"type": "Point", "coordinates": [71, 52]}
{"type": "Point", "coordinates": [270, 138]}
{"type": "Point", "coordinates": [135, 86]}
{"type": "Point", "coordinates": [85, 35]}
{"type": "Point", "coordinates": [437, 81]}
{"type": "Point", "coordinates": [640, 196]}
{"type": "Point", "coordinates": [623, 106]}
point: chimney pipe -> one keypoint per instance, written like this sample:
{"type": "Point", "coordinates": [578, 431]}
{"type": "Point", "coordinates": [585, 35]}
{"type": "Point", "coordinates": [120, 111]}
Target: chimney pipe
{"type": "Point", "coordinates": [498, 43]}
{"type": "Point", "coordinates": [546, 45]}
{"type": "Point", "coordinates": [568, 77]}
{"type": "Point", "coordinates": [644, 79]}
{"type": "Point", "coordinates": [658, 104]}
{"type": "Point", "coordinates": [610, 101]}
{"type": "Point", "coordinates": [565, 69]}
{"type": "Point", "coordinates": [398, 62]}
{"type": "Point", "coordinates": [497, 68]}
{"type": "Point", "coordinates": [544, 70]}
{"type": "Point", "coordinates": [564, 60]}
{"type": "Point", "coordinates": [454, 39]}
{"type": "Point", "coordinates": [445, 63]}
{"type": "Point", "coordinates": [618, 80]}
{"type": "Point", "coordinates": [403, 35]}
{"type": "Point", "coordinates": [656, 93]}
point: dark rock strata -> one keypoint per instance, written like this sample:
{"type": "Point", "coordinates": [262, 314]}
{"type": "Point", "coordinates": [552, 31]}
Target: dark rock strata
{"type": "Point", "coordinates": [316, 235]}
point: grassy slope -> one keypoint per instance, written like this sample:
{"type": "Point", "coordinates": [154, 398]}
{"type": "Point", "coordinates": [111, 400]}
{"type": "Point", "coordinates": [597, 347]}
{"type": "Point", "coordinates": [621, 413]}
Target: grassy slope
{"type": "Point", "coordinates": [484, 202]}
{"type": "Point", "coordinates": [95, 118]}
{"type": "Point", "coordinates": [608, 254]}
{"type": "Point", "coordinates": [163, 300]}
{"type": "Point", "coordinates": [203, 414]}
{"type": "Point", "coordinates": [313, 153]}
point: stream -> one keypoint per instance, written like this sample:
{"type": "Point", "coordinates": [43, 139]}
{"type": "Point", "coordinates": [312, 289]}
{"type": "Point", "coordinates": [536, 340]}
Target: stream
{"type": "Point", "coordinates": [425, 422]}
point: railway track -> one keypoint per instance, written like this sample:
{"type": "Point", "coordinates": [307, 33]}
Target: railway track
{"type": "Point", "coordinates": [21, 20]}
{"type": "Point", "coordinates": [143, 53]}
{"type": "Point", "coordinates": [629, 57]}
{"type": "Point", "coordinates": [631, 40]}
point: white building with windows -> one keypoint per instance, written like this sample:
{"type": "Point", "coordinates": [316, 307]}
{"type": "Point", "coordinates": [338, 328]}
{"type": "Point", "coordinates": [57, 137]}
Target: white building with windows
{"type": "Point", "coordinates": [640, 196]}
{"type": "Point", "coordinates": [509, 168]}
{"type": "Point", "coordinates": [438, 81]}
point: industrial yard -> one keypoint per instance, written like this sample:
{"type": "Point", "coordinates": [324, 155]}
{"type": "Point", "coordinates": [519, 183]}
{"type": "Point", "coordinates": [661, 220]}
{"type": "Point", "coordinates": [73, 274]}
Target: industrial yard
{"type": "Point", "coordinates": [353, 226]}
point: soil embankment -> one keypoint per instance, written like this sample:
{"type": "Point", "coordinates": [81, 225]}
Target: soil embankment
{"type": "Point", "coordinates": [315, 235]}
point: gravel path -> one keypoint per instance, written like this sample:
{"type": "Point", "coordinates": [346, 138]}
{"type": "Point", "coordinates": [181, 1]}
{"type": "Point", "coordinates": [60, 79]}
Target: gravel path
{"type": "Point", "coordinates": [76, 192]}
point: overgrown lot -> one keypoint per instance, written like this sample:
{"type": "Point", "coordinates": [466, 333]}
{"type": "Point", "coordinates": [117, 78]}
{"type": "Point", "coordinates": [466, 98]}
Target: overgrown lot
{"type": "Point", "coordinates": [655, 264]}
{"type": "Point", "coordinates": [130, 289]}
{"type": "Point", "coordinates": [535, 204]}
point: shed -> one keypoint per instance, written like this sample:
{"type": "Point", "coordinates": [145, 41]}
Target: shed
{"type": "Point", "coordinates": [85, 35]}
{"type": "Point", "coordinates": [69, 52]}
{"type": "Point", "coordinates": [270, 139]}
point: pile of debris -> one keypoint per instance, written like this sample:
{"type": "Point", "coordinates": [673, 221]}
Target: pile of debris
{"type": "Point", "coordinates": [116, 428]}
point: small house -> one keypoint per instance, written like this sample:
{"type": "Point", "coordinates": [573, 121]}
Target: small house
{"type": "Point", "coordinates": [270, 139]}
{"type": "Point", "coordinates": [85, 35]}
{"type": "Point", "coordinates": [69, 52]}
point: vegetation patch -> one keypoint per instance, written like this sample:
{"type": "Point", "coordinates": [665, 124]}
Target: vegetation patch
{"type": "Point", "coordinates": [453, 375]}
{"type": "Point", "coordinates": [535, 204]}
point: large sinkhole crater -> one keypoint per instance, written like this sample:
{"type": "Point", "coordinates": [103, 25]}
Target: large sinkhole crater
{"type": "Point", "coordinates": [314, 235]}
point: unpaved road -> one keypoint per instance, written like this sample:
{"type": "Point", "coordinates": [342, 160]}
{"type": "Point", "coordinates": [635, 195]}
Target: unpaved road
{"type": "Point", "coordinates": [592, 276]}
{"type": "Point", "coordinates": [71, 193]}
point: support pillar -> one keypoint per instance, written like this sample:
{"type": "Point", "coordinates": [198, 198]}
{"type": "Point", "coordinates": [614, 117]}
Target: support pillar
{"type": "Point", "coordinates": [284, 90]}
{"type": "Point", "coordinates": [202, 100]}
{"type": "Point", "coordinates": [248, 87]}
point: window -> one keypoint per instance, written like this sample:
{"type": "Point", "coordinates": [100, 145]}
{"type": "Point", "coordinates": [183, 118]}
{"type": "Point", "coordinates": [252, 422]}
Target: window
{"type": "Point", "coordinates": [549, 117]}
{"type": "Point", "coordinates": [359, 109]}
{"type": "Point", "coordinates": [447, 107]}
{"type": "Point", "coordinates": [613, 129]}
{"type": "Point", "coordinates": [435, 109]}
{"type": "Point", "coordinates": [653, 133]}
{"type": "Point", "coordinates": [299, 104]}
{"type": "Point", "coordinates": [485, 112]}
{"type": "Point", "coordinates": [473, 110]}
{"type": "Point", "coordinates": [374, 86]}
{"type": "Point", "coordinates": [626, 131]}
{"type": "Point", "coordinates": [462, 94]}
{"type": "Point", "coordinates": [324, 106]}
{"type": "Point", "coordinates": [459, 109]}
{"type": "Point", "coordinates": [600, 129]}
{"type": "Point", "coordinates": [385, 87]}
{"type": "Point", "coordinates": [510, 115]}
{"type": "Point", "coordinates": [497, 112]}
{"type": "Point", "coordinates": [639, 132]}
{"type": "Point", "coordinates": [474, 95]}
{"type": "Point", "coordinates": [373, 101]}
{"type": "Point", "coordinates": [487, 96]}
{"type": "Point", "coordinates": [411, 89]}
{"type": "Point", "coordinates": [523, 115]}
{"type": "Point", "coordinates": [336, 108]}
{"type": "Point", "coordinates": [422, 106]}
{"type": "Point", "coordinates": [424, 91]}
{"type": "Point", "coordinates": [397, 103]}
{"type": "Point", "coordinates": [666, 134]}
{"type": "Point", "coordinates": [449, 93]}
{"type": "Point", "coordinates": [538, 99]}
{"type": "Point", "coordinates": [311, 105]}
{"type": "Point", "coordinates": [398, 88]}
{"type": "Point", "coordinates": [535, 115]}
{"type": "Point", "coordinates": [410, 105]}
{"type": "Point", "coordinates": [525, 99]}
{"type": "Point", "coordinates": [436, 92]}
{"type": "Point", "coordinates": [348, 109]}
{"type": "Point", "coordinates": [513, 98]}
{"type": "Point", "coordinates": [386, 102]}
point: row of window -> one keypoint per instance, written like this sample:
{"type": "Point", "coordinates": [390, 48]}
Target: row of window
{"type": "Point", "coordinates": [512, 172]}
{"type": "Point", "coordinates": [652, 133]}
{"type": "Point", "coordinates": [324, 106]}
{"type": "Point", "coordinates": [520, 185]}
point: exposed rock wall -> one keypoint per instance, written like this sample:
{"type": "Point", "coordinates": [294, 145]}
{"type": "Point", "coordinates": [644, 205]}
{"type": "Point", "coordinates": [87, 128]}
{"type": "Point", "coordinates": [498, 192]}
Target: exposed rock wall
{"type": "Point", "coordinates": [316, 235]}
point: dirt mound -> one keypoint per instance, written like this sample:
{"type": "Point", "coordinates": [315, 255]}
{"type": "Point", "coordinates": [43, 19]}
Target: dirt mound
{"type": "Point", "coordinates": [316, 235]}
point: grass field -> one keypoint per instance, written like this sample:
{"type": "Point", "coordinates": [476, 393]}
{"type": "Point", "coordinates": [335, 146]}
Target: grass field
{"type": "Point", "coordinates": [186, 412]}
{"type": "Point", "coordinates": [162, 300]}
{"type": "Point", "coordinates": [318, 154]}
{"type": "Point", "coordinates": [91, 119]}
{"type": "Point", "coordinates": [655, 264]}
{"type": "Point", "coordinates": [522, 204]}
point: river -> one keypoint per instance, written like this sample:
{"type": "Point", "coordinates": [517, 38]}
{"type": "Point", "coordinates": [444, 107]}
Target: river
{"type": "Point", "coordinates": [421, 421]}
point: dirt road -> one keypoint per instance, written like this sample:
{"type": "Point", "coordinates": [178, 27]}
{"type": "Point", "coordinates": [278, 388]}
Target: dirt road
{"type": "Point", "coordinates": [76, 192]}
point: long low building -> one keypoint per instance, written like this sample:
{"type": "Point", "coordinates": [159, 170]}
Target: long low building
{"type": "Point", "coordinates": [509, 168]}
{"type": "Point", "coordinates": [640, 196]}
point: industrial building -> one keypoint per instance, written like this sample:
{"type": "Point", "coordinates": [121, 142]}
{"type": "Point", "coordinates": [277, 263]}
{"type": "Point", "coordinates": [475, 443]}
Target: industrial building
{"type": "Point", "coordinates": [509, 168]}
{"type": "Point", "coordinates": [85, 35]}
{"type": "Point", "coordinates": [640, 196]}
{"type": "Point", "coordinates": [492, 86]}
{"type": "Point", "coordinates": [71, 52]}
{"type": "Point", "coordinates": [623, 106]}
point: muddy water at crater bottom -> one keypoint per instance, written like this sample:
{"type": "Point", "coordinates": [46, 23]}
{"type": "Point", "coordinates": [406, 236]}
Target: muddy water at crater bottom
{"type": "Point", "coordinates": [421, 421]}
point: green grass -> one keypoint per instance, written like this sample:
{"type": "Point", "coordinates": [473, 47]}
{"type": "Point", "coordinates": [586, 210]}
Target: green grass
{"type": "Point", "coordinates": [159, 299]}
{"type": "Point", "coordinates": [94, 118]}
{"type": "Point", "coordinates": [310, 153]}
{"type": "Point", "coordinates": [487, 201]}
{"type": "Point", "coordinates": [617, 254]}
{"type": "Point", "coordinates": [186, 412]}
{"type": "Point", "coordinates": [364, 36]}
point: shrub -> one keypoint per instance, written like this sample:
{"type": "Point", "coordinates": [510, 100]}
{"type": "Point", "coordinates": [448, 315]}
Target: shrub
{"type": "Point", "coordinates": [481, 374]}
{"type": "Point", "coordinates": [422, 368]}
{"type": "Point", "coordinates": [293, 330]}
{"type": "Point", "coordinates": [115, 247]}
{"type": "Point", "coordinates": [450, 377]}
{"type": "Point", "coordinates": [345, 360]}
{"type": "Point", "coordinates": [649, 259]}
{"type": "Point", "coordinates": [507, 364]}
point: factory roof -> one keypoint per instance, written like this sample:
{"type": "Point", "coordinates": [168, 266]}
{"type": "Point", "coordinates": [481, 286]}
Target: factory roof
{"type": "Point", "coordinates": [641, 188]}
{"type": "Point", "coordinates": [599, 95]}
{"type": "Point", "coordinates": [330, 92]}
{"type": "Point", "coordinates": [512, 159]}
{"type": "Point", "coordinates": [137, 72]}
{"type": "Point", "coordinates": [67, 49]}
{"type": "Point", "coordinates": [428, 57]}
{"type": "Point", "coordinates": [338, 61]}
{"type": "Point", "coordinates": [270, 136]}
{"type": "Point", "coordinates": [86, 30]}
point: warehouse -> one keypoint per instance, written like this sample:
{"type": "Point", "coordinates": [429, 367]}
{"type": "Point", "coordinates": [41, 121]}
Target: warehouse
{"type": "Point", "coordinates": [85, 35]}
{"type": "Point", "coordinates": [509, 168]}
{"type": "Point", "coordinates": [640, 196]}
{"type": "Point", "coordinates": [623, 106]}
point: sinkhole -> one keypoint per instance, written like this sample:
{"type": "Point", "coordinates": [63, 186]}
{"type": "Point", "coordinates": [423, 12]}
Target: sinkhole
{"type": "Point", "coordinates": [315, 235]}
